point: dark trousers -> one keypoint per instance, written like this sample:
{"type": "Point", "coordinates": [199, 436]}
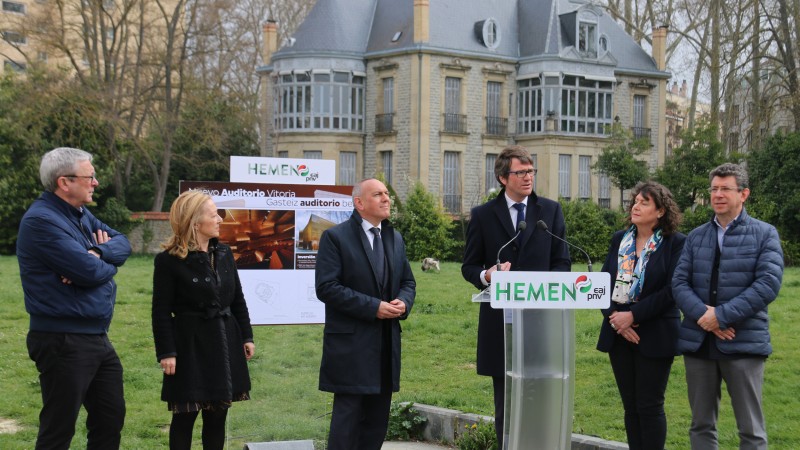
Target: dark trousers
{"type": "Point", "coordinates": [78, 370]}
{"type": "Point", "coordinates": [642, 382]}
{"type": "Point", "coordinates": [499, 387]}
{"type": "Point", "coordinates": [359, 422]}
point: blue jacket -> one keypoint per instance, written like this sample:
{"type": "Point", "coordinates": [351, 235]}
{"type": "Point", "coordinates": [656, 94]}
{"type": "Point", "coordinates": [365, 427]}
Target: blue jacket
{"type": "Point", "coordinates": [53, 242]}
{"type": "Point", "coordinates": [750, 273]}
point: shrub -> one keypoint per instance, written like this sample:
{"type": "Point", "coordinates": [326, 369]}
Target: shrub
{"type": "Point", "coordinates": [117, 216]}
{"type": "Point", "coordinates": [590, 226]}
{"type": "Point", "coordinates": [425, 226]}
{"type": "Point", "coordinates": [405, 422]}
{"type": "Point", "coordinates": [478, 436]}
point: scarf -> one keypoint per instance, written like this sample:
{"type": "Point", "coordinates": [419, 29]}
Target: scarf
{"type": "Point", "coordinates": [630, 270]}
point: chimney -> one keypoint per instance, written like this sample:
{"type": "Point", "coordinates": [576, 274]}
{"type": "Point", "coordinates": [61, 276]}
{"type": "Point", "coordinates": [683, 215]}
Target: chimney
{"type": "Point", "coordinates": [270, 36]}
{"type": "Point", "coordinates": [421, 21]}
{"type": "Point", "coordinates": [660, 46]}
{"type": "Point", "coordinates": [684, 89]}
{"type": "Point", "coordinates": [674, 88]}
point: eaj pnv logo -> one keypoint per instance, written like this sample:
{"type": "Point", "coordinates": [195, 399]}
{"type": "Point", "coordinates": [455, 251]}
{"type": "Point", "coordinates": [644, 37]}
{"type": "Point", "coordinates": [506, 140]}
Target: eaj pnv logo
{"type": "Point", "coordinates": [583, 284]}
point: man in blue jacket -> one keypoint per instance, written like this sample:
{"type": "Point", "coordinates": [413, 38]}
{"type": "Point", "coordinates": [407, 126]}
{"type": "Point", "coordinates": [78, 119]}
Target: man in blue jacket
{"type": "Point", "coordinates": [67, 261]}
{"type": "Point", "coordinates": [729, 272]}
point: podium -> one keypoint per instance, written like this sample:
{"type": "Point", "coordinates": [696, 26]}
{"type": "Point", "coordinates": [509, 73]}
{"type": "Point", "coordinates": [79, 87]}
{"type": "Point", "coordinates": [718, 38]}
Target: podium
{"type": "Point", "coordinates": [540, 350]}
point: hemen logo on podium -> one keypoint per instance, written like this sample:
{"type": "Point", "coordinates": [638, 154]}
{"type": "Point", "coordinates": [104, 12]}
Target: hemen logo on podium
{"type": "Point", "coordinates": [550, 290]}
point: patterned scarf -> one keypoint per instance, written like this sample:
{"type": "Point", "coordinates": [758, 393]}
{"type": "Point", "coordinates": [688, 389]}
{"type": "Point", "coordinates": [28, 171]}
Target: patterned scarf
{"type": "Point", "coordinates": [630, 270]}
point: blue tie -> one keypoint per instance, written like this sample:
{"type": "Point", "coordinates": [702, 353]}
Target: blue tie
{"type": "Point", "coordinates": [520, 218]}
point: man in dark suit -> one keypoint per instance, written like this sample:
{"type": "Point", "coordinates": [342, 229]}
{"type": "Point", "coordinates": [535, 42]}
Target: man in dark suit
{"type": "Point", "coordinates": [365, 281]}
{"type": "Point", "coordinates": [493, 224]}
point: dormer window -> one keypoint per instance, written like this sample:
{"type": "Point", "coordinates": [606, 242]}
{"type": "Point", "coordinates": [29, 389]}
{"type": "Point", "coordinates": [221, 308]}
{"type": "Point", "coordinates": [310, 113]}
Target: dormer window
{"type": "Point", "coordinates": [488, 33]}
{"type": "Point", "coordinates": [587, 38]}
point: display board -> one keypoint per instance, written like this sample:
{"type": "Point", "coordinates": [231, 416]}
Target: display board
{"type": "Point", "coordinates": [274, 231]}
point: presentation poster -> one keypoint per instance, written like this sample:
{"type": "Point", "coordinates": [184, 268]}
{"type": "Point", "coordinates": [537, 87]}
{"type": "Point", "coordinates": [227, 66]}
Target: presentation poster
{"type": "Point", "coordinates": [274, 231]}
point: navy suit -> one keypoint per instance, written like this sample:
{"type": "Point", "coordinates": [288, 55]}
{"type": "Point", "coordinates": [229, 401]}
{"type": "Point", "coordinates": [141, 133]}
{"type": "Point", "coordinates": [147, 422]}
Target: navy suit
{"type": "Point", "coordinates": [642, 370]}
{"type": "Point", "coordinates": [360, 353]}
{"type": "Point", "coordinates": [489, 229]}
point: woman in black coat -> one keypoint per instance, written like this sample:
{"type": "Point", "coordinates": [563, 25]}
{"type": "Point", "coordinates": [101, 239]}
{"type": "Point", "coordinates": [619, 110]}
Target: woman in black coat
{"type": "Point", "coordinates": [201, 324]}
{"type": "Point", "coordinates": [640, 329]}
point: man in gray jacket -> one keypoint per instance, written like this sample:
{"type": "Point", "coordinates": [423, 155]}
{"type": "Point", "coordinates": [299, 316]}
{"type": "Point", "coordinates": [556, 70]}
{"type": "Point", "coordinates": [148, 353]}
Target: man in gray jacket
{"type": "Point", "coordinates": [728, 274]}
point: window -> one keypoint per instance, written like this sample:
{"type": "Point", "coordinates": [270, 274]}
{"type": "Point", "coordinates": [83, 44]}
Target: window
{"type": "Point", "coordinates": [495, 124]}
{"type": "Point", "coordinates": [604, 194]}
{"type": "Point", "coordinates": [386, 164]}
{"type": "Point", "coordinates": [491, 181]}
{"type": "Point", "coordinates": [584, 177]}
{"type": "Point", "coordinates": [384, 122]}
{"type": "Point", "coordinates": [283, 154]}
{"type": "Point", "coordinates": [312, 154]}
{"type": "Point", "coordinates": [603, 43]}
{"type": "Point", "coordinates": [454, 122]}
{"type": "Point", "coordinates": [14, 38]}
{"type": "Point", "coordinates": [640, 130]}
{"type": "Point", "coordinates": [323, 101]}
{"type": "Point", "coordinates": [585, 105]}
{"type": "Point", "coordinates": [451, 182]}
{"type": "Point", "coordinates": [735, 116]}
{"type": "Point", "coordinates": [14, 7]}
{"type": "Point", "coordinates": [733, 142]}
{"type": "Point", "coordinates": [564, 172]}
{"type": "Point", "coordinates": [488, 33]}
{"type": "Point", "coordinates": [41, 56]}
{"type": "Point", "coordinates": [347, 168]}
{"type": "Point", "coordinates": [587, 39]}
{"type": "Point", "coordinates": [14, 66]}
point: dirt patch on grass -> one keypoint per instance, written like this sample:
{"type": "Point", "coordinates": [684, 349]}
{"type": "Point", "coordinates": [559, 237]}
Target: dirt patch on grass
{"type": "Point", "coordinates": [9, 426]}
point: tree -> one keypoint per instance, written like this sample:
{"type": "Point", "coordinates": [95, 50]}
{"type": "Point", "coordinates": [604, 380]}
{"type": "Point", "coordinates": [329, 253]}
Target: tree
{"type": "Point", "coordinates": [425, 226]}
{"type": "Point", "coordinates": [591, 227]}
{"type": "Point", "coordinates": [774, 184]}
{"type": "Point", "coordinates": [618, 160]}
{"type": "Point", "coordinates": [685, 173]}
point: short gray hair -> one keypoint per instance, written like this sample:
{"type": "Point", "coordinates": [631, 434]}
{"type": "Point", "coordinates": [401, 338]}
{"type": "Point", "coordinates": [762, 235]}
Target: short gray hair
{"type": "Point", "coordinates": [731, 170]}
{"type": "Point", "coordinates": [60, 162]}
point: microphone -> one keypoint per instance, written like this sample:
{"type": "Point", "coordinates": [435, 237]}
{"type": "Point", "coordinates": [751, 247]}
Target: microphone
{"type": "Point", "coordinates": [520, 228]}
{"type": "Point", "coordinates": [543, 226]}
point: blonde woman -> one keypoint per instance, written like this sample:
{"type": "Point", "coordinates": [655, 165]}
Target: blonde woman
{"type": "Point", "coordinates": [201, 325]}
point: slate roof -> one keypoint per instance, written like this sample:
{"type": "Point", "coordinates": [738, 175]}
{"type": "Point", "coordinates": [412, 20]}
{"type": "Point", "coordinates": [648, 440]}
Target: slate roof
{"type": "Point", "coordinates": [528, 29]}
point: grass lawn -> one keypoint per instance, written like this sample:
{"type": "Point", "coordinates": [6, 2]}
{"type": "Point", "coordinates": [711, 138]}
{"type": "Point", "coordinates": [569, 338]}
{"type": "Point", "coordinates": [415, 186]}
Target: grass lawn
{"type": "Point", "coordinates": [438, 369]}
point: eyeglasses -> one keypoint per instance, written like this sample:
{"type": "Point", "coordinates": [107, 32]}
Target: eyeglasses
{"type": "Point", "coordinates": [522, 173]}
{"type": "Point", "coordinates": [723, 189]}
{"type": "Point", "coordinates": [88, 177]}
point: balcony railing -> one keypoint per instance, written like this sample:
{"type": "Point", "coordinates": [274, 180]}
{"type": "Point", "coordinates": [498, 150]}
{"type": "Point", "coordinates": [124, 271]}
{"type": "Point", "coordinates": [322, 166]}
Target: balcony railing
{"type": "Point", "coordinates": [384, 123]}
{"type": "Point", "coordinates": [455, 123]}
{"type": "Point", "coordinates": [641, 133]}
{"type": "Point", "coordinates": [496, 126]}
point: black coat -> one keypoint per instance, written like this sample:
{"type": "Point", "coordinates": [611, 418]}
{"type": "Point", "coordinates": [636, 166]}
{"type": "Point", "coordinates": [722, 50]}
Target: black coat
{"type": "Point", "coordinates": [489, 228]}
{"type": "Point", "coordinates": [655, 312]}
{"type": "Point", "coordinates": [347, 284]}
{"type": "Point", "coordinates": [203, 321]}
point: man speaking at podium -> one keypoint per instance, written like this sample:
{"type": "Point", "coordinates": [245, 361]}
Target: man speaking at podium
{"type": "Point", "coordinates": [495, 224]}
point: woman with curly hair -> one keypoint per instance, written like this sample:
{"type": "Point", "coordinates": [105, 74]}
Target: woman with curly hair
{"type": "Point", "coordinates": [640, 329]}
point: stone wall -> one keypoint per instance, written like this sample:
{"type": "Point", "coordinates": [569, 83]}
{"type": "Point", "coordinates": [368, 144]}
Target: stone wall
{"type": "Point", "coordinates": [147, 237]}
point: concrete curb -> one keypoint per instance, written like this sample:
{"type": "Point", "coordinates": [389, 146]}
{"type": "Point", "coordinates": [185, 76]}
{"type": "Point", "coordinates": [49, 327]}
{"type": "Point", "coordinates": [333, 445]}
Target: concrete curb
{"type": "Point", "coordinates": [444, 424]}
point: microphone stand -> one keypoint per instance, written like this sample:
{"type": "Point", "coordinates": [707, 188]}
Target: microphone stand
{"type": "Point", "coordinates": [543, 226]}
{"type": "Point", "coordinates": [520, 228]}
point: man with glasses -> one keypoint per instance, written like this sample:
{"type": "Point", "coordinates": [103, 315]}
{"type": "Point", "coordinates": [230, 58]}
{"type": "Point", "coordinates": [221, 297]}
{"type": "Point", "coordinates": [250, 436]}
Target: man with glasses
{"type": "Point", "coordinates": [67, 261]}
{"type": "Point", "coordinates": [491, 226]}
{"type": "Point", "coordinates": [728, 274]}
